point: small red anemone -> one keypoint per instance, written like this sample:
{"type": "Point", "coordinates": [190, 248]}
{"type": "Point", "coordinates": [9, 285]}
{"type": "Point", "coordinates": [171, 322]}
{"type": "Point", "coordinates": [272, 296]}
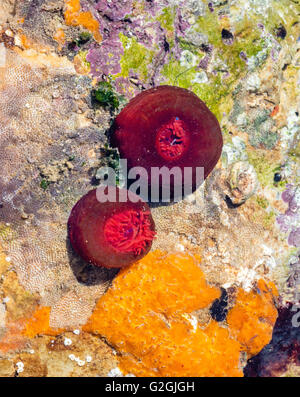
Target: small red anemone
{"type": "Point", "coordinates": [111, 233]}
{"type": "Point", "coordinates": [168, 126]}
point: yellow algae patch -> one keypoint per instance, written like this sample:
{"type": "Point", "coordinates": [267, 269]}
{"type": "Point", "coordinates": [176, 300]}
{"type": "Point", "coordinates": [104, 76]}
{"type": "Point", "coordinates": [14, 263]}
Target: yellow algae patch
{"type": "Point", "coordinates": [43, 60]}
{"type": "Point", "coordinates": [80, 64]}
{"type": "Point", "coordinates": [75, 17]}
{"type": "Point", "coordinates": [12, 338]}
{"type": "Point", "coordinates": [253, 317]}
{"type": "Point", "coordinates": [60, 37]}
{"type": "Point", "coordinates": [145, 316]}
{"type": "Point", "coordinates": [27, 43]}
{"type": "Point", "coordinates": [3, 262]}
{"type": "Point", "coordinates": [38, 324]}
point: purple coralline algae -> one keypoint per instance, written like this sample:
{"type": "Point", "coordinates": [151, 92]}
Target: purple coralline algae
{"type": "Point", "coordinates": [105, 59]}
{"type": "Point", "coordinates": [289, 222]}
{"type": "Point", "coordinates": [124, 18]}
{"type": "Point", "coordinates": [115, 18]}
{"type": "Point", "coordinates": [282, 351]}
{"type": "Point", "coordinates": [114, 10]}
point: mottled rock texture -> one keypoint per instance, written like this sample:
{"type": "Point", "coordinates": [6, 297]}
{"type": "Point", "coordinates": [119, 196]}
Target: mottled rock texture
{"type": "Point", "coordinates": [242, 59]}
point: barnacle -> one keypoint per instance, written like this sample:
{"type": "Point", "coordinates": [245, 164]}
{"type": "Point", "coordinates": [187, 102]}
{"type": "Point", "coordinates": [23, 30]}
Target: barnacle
{"type": "Point", "coordinates": [111, 233]}
{"type": "Point", "coordinates": [171, 127]}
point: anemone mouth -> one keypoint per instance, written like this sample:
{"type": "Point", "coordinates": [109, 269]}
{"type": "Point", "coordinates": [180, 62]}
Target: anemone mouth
{"type": "Point", "coordinates": [129, 231]}
{"type": "Point", "coordinates": [172, 139]}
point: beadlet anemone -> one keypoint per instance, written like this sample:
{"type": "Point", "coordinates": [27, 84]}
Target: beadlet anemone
{"type": "Point", "coordinates": [168, 127]}
{"type": "Point", "coordinates": [111, 234]}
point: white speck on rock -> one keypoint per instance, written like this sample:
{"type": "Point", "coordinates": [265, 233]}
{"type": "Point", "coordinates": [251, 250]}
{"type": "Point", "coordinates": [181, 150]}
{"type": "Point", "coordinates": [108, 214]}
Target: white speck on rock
{"type": "Point", "coordinates": [253, 83]}
{"type": "Point", "coordinates": [180, 247]}
{"type": "Point", "coordinates": [88, 359]}
{"type": "Point", "coordinates": [20, 367]}
{"type": "Point", "coordinates": [9, 33]}
{"type": "Point", "coordinates": [241, 120]}
{"type": "Point", "coordinates": [2, 315]}
{"type": "Point", "coordinates": [2, 55]}
{"type": "Point", "coordinates": [115, 372]}
{"type": "Point", "coordinates": [67, 342]}
{"type": "Point", "coordinates": [76, 331]}
{"type": "Point", "coordinates": [192, 320]}
{"type": "Point", "coordinates": [80, 363]}
{"type": "Point", "coordinates": [188, 59]}
{"type": "Point", "coordinates": [288, 133]}
{"type": "Point", "coordinates": [247, 277]}
{"type": "Point", "coordinates": [200, 78]}
{"type": "Point", "coordinates": [55, 94]}
{"type": "Point", "coordinates": [234, 151]}
{"type": "Point", "coordinates": [267, 259]}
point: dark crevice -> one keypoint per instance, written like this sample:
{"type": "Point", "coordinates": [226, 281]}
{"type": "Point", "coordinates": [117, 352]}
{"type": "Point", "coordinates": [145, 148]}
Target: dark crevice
{"type": "Point", "coordinates": [230, 204]}
{"type": "Point", "coordinates": [226, 34]}
{"type": "Point", "coordinates": [219, 309]}
{"type": "Point", "coordinates": [281, 32]}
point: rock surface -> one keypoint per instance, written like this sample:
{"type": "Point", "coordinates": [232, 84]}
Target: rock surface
{"type": "Point", "coordinates": [242, 59]}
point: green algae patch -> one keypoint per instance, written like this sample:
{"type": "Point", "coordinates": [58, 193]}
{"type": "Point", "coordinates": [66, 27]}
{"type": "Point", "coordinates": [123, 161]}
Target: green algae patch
{"type": "Point", "coordinates": [212, 92]}
{"type": "Point", "coordinates": [269, 219]}
{"type": "Point", "coordinates": [262, 202]}
{"type": "Point", "coordinates": [82, 55]}
{"type": "Point", "coordinates": [214, 95]}
{"type": "Point", "coordinates": [263, 166]}
{"type": "Point", "coordinates": [44, 184]}
{"type": "Point", "coordinates": [136, 57]}
{"type": "Point", "coordinates": [294, 152]}
{"type": "Point", "coordinates": [186, 45]}
{"type": "Point", "coordinates": [215, 92]}
{"type": "Point", "coordinates": [167, 18]}
{"type": "Point", "coordinates": [247, 39]}
{"type": "Point", "coordinates": [210, 25]}
{"type": "Point", "coordinates": [105, 95]}
{"type": "Point", "coordinates": [264, 213]}
{"type": "Point", "coordinates": [227, 135]}
{"type": "Point", "coordinates": [6, 232]}
{"type": "Point", "coordinates": [284, 12]}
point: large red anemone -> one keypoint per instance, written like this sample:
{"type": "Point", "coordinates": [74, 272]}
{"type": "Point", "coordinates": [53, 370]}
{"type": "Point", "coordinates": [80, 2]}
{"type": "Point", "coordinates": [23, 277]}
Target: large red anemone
{"type": "Point", "coordinates": [111, 233]}
{"type": "Point", "coordinates": [168, 126]}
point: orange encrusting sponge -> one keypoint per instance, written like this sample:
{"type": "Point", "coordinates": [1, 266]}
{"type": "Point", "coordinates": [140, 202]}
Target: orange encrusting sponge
{"type": "Point", "coordinates": [145, 316]}
{"type": "Point", "coordinates": [252, 318]}
{"type": "Point", "coordinates": [74, 16]}
{"type": "Point", "coordinates": [38, 324]}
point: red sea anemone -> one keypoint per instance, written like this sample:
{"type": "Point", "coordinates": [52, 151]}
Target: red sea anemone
{"type": "Point", "coordinates": [168, 126]}
{"type": "Point", "coordinates": [111, 233]}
